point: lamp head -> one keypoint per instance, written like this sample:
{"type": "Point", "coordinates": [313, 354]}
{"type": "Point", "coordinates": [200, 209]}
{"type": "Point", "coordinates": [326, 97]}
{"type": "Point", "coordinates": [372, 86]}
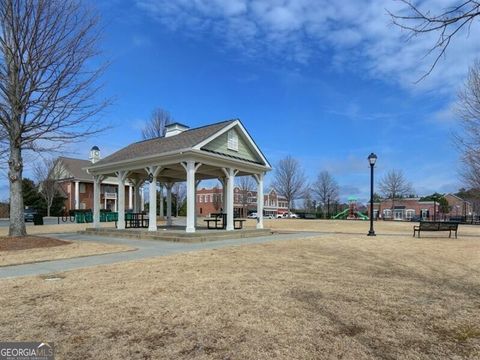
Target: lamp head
{"type": "Point", "coordinates": [372, 158]}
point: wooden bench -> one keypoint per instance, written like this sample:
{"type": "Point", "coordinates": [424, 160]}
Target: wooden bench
{"type": "Point", "coordinates": [436, 226]}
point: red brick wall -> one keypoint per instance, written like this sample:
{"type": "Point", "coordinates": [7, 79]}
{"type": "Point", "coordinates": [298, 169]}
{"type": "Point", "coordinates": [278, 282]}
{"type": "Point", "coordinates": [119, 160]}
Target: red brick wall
{"type": "Point", "coordinates": [205, 205]}
{"type": "Point", "coordinates": [86, 197]}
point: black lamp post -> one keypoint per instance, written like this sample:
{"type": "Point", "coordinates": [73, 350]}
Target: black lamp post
{"type": "Point", "coordinates": [372, 158]}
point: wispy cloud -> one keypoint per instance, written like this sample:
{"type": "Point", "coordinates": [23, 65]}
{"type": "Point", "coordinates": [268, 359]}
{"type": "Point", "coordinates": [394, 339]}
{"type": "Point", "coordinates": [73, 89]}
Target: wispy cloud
{"type": "Point", "coordinates": [353, 35]}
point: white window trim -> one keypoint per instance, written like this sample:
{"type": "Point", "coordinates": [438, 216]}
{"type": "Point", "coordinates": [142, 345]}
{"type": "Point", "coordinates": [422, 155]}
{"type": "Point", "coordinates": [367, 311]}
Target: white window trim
{"type": "Point", "coordinates": [232, 142]}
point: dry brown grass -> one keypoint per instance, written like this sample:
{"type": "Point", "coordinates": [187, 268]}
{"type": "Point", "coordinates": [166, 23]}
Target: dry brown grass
{"type": "Point", "coordinates": [72, 250]}
{"type": "Point", "coordinates": [337, 296]}
{"type": "Point", "coordinates": [49, 229]}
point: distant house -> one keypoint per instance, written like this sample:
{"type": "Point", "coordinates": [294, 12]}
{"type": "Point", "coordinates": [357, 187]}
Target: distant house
{"type": "Point", "coordinates": [77, 184]}
{"type": "Point", "coordinates": [210, 200]}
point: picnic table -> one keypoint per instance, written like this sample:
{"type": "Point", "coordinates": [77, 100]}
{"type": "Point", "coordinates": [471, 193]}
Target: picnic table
{"type": "Point", "coordinates": [218, 219]}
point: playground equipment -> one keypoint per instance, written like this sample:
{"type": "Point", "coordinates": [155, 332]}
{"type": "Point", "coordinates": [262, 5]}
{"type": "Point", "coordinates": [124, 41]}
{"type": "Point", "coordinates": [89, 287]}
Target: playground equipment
{"type": "Point", "coordinates": [351, 213]}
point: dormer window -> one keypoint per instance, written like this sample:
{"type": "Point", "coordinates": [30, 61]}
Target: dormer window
{"type": "Point", "coordinates": [232, 140]}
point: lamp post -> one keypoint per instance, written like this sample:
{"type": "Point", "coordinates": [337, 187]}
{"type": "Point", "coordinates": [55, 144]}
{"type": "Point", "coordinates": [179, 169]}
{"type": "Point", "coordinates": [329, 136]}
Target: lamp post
{"type": "Point", "coordinates": [372, 158]}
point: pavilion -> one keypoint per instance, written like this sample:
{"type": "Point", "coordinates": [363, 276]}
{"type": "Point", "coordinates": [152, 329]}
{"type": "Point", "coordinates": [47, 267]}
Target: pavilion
{"type": "Point", "coordinates": [222, 151]}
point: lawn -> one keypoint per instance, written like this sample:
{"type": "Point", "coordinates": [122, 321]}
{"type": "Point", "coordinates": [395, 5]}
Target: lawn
{"type": "Point", "coordinates": [340, 295]}
{"type": "Point", "coordinates": [32, 249]}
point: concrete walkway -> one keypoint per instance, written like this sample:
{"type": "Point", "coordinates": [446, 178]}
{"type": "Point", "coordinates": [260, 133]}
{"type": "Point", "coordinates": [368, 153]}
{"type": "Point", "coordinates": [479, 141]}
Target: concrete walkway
{"type": "Point", "coordinates": [146, 249]}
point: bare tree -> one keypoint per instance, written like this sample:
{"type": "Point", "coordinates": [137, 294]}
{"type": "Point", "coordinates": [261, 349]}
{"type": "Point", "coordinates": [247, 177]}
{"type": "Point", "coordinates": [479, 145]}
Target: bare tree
{"type": "Point", "coordinates": [180, 191]}
{"type": "Point", "coordinates": [326, 189]}
{"type": "Point", "coordinates": [394, 185]}
{"type": "Point", "coordinates": [48, 83]}
{"type": "Point", "coordinates": [47, 174]}
{"type": "Point", "coordinates": [289, 180]}
{"type": "Point", "coordinates": [447, 23]}
{"type": "Point", "coordinates": [468, 140]}
{"type": "Point", "coordinates": [307, 201]}
{"type": "Point", "coordinates": [246, 185]}
{"type": "Point", "coordinates": [156, 126]}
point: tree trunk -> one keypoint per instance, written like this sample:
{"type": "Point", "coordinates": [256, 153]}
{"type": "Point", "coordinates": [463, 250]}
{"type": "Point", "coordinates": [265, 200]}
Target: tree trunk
{"type": "Point", "coordinates": [17, 220]}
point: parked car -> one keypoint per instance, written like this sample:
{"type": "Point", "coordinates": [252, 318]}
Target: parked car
{"type": "Point", "coordinates": [293, 216]}
{"type": "Point", "coordinates": [29, 214]}
{"type": "Point", "coordinates": [252, 215]}
{"type": "Point", "coordinates": [268, 216]}
{"type": "Point", "coordinates": [281, 216]}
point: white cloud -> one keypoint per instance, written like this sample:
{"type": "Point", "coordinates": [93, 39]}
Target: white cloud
{"type": "Point", "coordinates": [357, 34]}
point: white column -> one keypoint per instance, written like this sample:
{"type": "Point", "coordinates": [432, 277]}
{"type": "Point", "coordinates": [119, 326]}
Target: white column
{"type": "Point", "coordinates": [136, 198]}
{"type": "Point", "coordinates": [230, 181]}
{"type": "Point", "coordinates": [97, 180]}
{"type": "Point", "coordinates": [190, 168]}
{"type": "Point", "coordinates": [130, 197]}
{"type": "Point", "coordinates": [142, 198]}
{"type": "Point", "coordinates": [77, 195]}
{"type": "Point", "coordinates": [152, 206]}
{"type": "Point", "coordinates": [153, 172]}
{"type": "Point", "coordinates": [169, 203]}
{"type": "Point", "coordinates": [121, 177]}
{"type": "Point", "coordinates": [161, 210]}
{"type": "Point", "coordinates": [224, 193]}
{"type": "Point", "coordinates": [260, 200]}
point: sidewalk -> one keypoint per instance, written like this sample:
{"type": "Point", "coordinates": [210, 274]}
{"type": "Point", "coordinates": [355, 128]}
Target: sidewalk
{"type": "Point", "coordinates": [146, 249]}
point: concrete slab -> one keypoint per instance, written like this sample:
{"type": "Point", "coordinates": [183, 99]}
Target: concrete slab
{"type": "Point", "coordinates": [178, 234]}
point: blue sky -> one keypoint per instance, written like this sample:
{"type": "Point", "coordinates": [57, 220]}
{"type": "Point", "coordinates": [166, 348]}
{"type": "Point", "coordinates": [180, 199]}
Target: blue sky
{"type": "Point", "coordinates": [326, 82]}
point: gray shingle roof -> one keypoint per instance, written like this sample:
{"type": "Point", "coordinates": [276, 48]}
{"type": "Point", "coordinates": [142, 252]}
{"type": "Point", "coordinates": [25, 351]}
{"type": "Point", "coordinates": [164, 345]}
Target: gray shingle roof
{"type": "Point", "coordinates": [75, 167]}
{"type": "Point", "coordinates": [157, 146]}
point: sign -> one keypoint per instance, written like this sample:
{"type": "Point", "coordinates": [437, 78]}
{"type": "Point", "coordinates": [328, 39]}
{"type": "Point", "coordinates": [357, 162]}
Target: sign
{"type": "Point", "coordinates": [27, 351]}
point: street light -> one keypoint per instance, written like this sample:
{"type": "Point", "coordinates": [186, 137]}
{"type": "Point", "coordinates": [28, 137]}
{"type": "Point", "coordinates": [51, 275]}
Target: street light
{"type": "Point", "coordinates": [372, 158]}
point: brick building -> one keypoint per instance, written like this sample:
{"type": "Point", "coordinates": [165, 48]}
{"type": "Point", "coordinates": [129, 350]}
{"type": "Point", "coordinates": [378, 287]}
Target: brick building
{"type": "Point", "coordinates": [210, 201]}
{"type": "Point", "coordinates": [406, 209]}
{"type": "Point", "coordinates": [77, 184]}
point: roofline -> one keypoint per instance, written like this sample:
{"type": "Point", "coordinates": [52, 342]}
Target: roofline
{"type": "Point", "coordinates": [183, 132]}
{"type": "Point", "coordinates": [157, 158]}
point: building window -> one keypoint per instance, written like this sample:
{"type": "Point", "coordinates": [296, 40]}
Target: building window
{"type": "Point", "coordinates": [232, 140]}
{"type": "Point", "coordinates": [82, 188]}
{"type": "Point", "coordinates": [410, 213]}
{"type": "Point", "coordinates": [207, 198]}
